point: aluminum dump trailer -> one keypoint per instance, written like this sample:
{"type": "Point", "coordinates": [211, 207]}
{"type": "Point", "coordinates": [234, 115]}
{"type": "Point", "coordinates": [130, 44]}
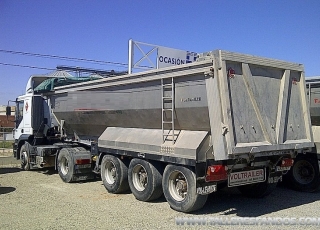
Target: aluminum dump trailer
{"type": "Point", "coordinates": [227, 119]}
{"type": "Point", "coordinates": [248, 104]}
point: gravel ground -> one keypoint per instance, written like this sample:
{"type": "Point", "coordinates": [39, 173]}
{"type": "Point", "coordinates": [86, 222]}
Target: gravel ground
{"type": "Point", "coordinates": [40, 200]}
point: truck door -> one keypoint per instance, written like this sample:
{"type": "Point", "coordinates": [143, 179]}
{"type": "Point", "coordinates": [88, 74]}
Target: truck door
{"type": "Point", "coordinates": [23, 117]}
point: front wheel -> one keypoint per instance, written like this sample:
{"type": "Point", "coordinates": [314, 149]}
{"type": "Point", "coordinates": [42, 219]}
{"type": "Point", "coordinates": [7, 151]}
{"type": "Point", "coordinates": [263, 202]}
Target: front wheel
{"type": "Point", "coordinates": [24, 157]}
{"type": "Point", "coordinates": [179, 188]}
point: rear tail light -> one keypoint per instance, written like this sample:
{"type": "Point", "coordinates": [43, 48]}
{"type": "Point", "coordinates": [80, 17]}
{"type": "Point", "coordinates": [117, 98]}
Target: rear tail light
{"type": "Point", "coordinates": [287, 162]}
{"type": "Point", "coordinates": [83, 161]}
{"type": "Point", "coordinates": [216, 173]}
{"type": "Point", "coordinates": [231, 73]}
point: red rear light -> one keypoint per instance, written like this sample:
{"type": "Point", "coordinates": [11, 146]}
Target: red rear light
{"type": "Point", "coordinates": [294, 81]}
{"type": "Point", "coordinates": [83, 161]}
{"type": "Point", "coordinates": [231, 73]}
{"type": "Point", "coordinates": [216, 173]}
{"type": "Point", "coordinates": [287, 162]}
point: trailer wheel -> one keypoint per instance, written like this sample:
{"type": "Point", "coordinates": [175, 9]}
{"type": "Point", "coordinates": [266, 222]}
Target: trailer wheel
{"type": "Point", "coordinates": [65, 165]}
{"type": "Point", "coordinates": [304, 174]}
{"type": "Point", "coordinates": [145, 180]}
{"type": "Point", "coordinates": [179, 188]}
{"type": "Point", "coordinates": [24, 157]}
{"type": "Point", "coordinates": [257, 190]}
{"type": "Point", "coordinates": [114, 174]}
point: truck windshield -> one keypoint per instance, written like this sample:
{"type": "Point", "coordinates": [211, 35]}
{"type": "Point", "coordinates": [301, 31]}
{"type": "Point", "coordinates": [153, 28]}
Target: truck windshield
{"type": "Point", "coordinates": [19, 113]}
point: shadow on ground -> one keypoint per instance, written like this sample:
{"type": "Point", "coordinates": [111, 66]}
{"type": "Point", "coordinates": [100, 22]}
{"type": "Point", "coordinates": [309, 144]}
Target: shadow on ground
{"type": "Point", "coordinates": [45, 171]}
{"type": "Point", "coordinates": [230, 201]}
{"type": "Point", "coordinates": [6, 170]}
{"type": "Point", "coordinates": [4, 190]}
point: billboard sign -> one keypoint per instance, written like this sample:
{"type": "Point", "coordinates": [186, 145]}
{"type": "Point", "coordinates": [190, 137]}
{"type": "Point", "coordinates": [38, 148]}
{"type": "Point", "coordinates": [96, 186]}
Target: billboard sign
{"type": "Point", "coordinates": [169, 57]}
{"type": "Point", "coordinates": [154, 56]}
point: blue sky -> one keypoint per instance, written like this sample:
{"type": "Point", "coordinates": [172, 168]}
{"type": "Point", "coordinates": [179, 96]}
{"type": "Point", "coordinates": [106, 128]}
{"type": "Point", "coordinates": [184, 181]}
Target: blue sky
{"type": "Point", "coordinates": [100, 30]}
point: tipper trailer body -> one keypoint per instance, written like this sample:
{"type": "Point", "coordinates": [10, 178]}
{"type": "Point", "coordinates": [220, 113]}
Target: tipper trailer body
{"type": "Point", "coordinates": [228, 118]}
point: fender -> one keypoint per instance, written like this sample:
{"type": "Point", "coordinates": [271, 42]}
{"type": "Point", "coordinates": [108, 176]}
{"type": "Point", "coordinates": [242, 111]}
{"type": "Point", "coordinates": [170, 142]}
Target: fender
{"type": "Point", "coordinates": [18, 143]}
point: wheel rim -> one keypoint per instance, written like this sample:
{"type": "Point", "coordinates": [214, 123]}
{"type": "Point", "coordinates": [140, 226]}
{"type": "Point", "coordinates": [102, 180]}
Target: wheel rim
{"type": "Point", "coordinates": [110, 172]}
{"type": "Point", "coordinates": [64, 166]}
{"type": "Point", "coordinates": [303, 172]}
{"type": "Point", "coordinates": [24, 158]}
{"type": "Point", "coordinates": [139, 177]}
{"type": "Point", "coordinates": [178, 186]}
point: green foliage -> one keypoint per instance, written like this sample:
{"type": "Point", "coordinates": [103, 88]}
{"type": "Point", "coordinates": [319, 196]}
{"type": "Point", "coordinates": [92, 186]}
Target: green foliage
{"type": "Point", "coordinates": [5, 130]}
{"type": "Point", "coordinates": [6, 144]}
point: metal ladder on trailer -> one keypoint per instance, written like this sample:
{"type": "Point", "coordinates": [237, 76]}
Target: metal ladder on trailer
{"type": "Point", "coordinates": [168, 127]}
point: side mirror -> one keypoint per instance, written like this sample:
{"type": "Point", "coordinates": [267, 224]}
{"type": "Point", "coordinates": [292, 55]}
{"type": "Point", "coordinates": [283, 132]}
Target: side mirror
{"type": "Point", "coordinates": [8, 110]}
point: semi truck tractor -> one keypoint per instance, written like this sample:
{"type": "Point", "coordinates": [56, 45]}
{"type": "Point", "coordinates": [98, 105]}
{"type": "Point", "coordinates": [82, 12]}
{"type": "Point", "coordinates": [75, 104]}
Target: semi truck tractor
{"type": "Point", "coordinates": [304, 174]}
{"type": "Point", "coordinates": [184, 131]}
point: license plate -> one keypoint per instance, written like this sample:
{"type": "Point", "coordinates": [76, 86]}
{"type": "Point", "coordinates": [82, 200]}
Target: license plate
{"type": "Point", "coordinates": [275, 179]}
{"type": "Point", "coordinates": [274, 153]}
{"type": "Point", "coordinates": [246, 177]}
{"type": "Point", "coordinates": [279, 168]}
{"type": "Point", "coordinates": [83, 166]}
{"type": "Point", "coordinates": [206, 189]}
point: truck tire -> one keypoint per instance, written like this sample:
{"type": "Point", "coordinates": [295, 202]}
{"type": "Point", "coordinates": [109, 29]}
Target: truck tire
{"type": "Point", "coordinates": [304, 174]}
{"type": "Point", "coordinates": [114, 174]}
{"type": "Point", "coordinates": [179, 188]}
{"type": "Point", "coordinates": [24, 157]}
{"type": "Point", "coordinates": [65, 165]}
{"type": "Point", "coordinates": [145, 180]}
{"type": "Point", "coordinates": [257, 190]}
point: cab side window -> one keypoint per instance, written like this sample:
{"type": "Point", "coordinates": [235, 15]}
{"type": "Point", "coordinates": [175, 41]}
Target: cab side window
{"type": "Point", "coordinates": [19, 112]}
